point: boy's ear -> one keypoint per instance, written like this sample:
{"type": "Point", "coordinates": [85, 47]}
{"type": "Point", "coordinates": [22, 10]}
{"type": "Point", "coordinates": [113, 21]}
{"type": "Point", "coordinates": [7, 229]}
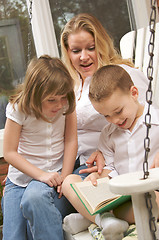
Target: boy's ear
{"type": "Point", "coordinates": [134, 92]}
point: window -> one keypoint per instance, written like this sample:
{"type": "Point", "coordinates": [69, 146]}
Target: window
{"type": "Point", "coordinates": [13, 46]}
{"type": "Point", "coordinates": [112, 14]}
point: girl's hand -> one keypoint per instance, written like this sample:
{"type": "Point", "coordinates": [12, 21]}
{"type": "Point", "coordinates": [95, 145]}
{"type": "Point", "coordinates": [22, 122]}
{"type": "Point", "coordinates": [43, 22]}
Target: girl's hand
{"type": "Point", "coordinates": [59, 190]}
{"type": "Point", "coordinates": [100, 163]}
{"type": "Point", "coordinates": [155, 163]}
{"type": "Point", "coordinates": [53, 179]}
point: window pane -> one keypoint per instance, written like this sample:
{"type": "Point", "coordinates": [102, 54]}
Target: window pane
{"type": "Point", "coordinates": [112, 14]}
{"type": "Point", "coordinates": [14, 25]}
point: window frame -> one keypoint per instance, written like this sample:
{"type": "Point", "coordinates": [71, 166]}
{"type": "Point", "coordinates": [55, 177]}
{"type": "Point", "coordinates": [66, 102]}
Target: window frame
{"type": "Point", "coordinates": [45, 38]}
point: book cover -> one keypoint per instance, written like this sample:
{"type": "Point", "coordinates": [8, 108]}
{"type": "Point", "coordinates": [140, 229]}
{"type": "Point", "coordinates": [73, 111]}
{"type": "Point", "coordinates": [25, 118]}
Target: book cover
{"type": "Point", "coordinates": [98, 199]}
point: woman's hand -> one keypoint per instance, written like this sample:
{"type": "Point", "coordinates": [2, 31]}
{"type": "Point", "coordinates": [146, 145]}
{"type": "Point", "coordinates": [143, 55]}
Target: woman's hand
{"type": "Point", "coordinates": [100, 163]}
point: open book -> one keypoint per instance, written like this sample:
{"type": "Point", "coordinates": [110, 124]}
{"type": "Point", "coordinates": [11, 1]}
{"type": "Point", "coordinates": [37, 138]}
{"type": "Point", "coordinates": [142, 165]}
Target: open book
{"type": "Point", "coordinates": [98, 198]}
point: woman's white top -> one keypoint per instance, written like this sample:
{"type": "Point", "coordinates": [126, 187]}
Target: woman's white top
{"type": "Point", "coordinates": [124, 150]}
{"type": "Point", "coordinates": [41, 143]}
{"type": "Point", "coordinates": [90, 122]}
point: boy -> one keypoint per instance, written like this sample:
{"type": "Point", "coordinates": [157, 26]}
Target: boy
{"type": "Point", "coordinates": [113, 94]}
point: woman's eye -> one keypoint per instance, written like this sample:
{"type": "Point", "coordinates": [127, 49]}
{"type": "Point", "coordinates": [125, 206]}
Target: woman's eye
{"type": "Point", "coordinates": [92, 48]}
{"type": "Point", "coordinates": [51, 100]}
{"type": "Point", "coordinates": [76, 51]}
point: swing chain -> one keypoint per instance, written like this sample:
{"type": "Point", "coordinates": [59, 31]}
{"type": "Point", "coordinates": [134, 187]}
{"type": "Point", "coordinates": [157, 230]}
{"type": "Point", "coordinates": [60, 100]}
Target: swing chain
{"type": "Point", "coordinates": [149, 92]}
{"type": "Point", "coordinates": [30, 30]}
{"type": "Point", "coordinates": [151, 218]}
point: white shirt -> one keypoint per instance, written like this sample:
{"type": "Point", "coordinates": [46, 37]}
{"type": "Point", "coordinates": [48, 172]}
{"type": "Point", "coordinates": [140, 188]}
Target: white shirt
{"type": "Point", "coordinates": [124, 150]}
{"type": "Point", "coordinates": [41, 143]}
{"type": "Point", "coordinates": [90, 122]}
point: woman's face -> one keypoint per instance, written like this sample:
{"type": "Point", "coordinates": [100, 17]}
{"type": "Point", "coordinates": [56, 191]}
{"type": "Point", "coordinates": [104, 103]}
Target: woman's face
{"type": "Point", "coordinates": [82, 53]}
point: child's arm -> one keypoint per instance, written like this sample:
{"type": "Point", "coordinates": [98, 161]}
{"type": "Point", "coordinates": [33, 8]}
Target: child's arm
{"type": "Point", "coordinates": [70, 148]}
{"type": "Point", "coordinates": [10, 146]}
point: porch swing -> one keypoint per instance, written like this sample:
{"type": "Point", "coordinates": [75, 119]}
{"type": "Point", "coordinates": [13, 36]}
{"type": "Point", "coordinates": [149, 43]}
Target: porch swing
{"type": "Point", "coordinates": [141, 188]}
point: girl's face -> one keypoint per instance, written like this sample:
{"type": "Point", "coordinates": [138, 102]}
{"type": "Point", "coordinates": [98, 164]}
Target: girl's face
{"type": "Point", "coordinates": [120, 108]}
{"type": "Point", "coordinates": [82, 53]}
{"type": "Point", "coordinates": [53, 104]}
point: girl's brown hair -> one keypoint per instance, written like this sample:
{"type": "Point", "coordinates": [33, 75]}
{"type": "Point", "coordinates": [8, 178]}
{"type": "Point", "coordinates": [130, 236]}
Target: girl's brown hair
{"type": "Point", "coordinates": [44, 77]}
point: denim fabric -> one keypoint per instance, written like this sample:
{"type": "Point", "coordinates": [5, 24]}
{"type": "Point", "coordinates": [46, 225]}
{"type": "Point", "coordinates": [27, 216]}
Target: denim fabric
{"type": "Point", "coordinates": [83, 175]}
{"type": "Point", "coordinates": [35, 211]}
{"type": "Point", "coordinates": [33, 206]}
{"type": "Point", "coordinates": [14, 224]}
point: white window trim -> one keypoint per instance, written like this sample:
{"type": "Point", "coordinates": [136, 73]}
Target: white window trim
{"type": "Point", "coordinates": [142, 12]}
{"type": "Point", "coordinates": [43, 28]}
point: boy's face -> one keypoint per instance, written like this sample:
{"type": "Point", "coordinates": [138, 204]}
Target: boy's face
{"type": "Point", "coordinates": [120, 108]}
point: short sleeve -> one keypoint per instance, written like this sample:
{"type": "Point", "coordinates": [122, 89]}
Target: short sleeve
{"type": "Point", "coordinates": [14, 114]}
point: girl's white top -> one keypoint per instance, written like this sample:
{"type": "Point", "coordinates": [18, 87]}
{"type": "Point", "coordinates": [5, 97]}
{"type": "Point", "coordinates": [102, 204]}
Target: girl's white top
{"type": "Point", "coordinates": [41, 143]}
{"type": "Point", "coordinates": [90, 122]}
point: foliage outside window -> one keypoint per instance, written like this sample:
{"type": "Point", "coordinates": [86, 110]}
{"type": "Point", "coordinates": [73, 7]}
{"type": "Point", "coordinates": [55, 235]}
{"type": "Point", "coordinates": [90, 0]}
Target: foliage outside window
{"type": "Point", "coordinates": [14, 26]}
{"type": "Point", "coordinates": [112, 14]}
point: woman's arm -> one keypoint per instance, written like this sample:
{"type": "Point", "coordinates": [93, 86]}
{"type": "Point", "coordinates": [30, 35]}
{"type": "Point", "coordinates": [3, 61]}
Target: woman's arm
{"type": "Point", "coordinates": [10, 145]}
{"type": "Point", "coordinates": [70, 148]}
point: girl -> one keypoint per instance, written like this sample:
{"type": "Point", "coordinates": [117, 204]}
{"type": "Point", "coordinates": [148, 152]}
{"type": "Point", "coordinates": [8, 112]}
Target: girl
{"type": "Point", "coordinates": [40, 134]}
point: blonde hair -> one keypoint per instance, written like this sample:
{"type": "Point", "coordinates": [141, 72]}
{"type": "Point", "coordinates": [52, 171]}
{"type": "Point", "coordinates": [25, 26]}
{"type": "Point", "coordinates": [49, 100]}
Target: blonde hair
{"type": "Point", "coordinates": [108, 79]}
{"type": "Point", "coordinates": [106, 52]}
{"type": "Point", "coordinates": [44, 77]}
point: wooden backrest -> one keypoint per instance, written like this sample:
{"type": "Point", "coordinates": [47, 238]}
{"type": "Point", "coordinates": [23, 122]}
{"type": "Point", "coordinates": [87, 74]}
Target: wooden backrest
{"type": "Point", "coordinates": [1, 142]}
{"type": "Point", "coordinates": [3, 163]}
{"type": "Point", "coordinates": [134, 45]}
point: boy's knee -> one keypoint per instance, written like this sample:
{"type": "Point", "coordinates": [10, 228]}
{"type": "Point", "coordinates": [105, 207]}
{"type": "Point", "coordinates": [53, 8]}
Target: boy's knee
{"type": "Point", "coordinates": [68, 180]}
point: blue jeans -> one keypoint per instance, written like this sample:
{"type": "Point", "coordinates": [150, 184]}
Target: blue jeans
{"type": "Point", "coordinates": [34, 212]}
{"type": "Point", "coordinates": [36, 206]}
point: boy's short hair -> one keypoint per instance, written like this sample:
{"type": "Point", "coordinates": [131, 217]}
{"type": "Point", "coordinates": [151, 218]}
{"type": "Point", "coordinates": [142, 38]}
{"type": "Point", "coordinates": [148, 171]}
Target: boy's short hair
{"type": "Point", "coordinates": [106, 80]}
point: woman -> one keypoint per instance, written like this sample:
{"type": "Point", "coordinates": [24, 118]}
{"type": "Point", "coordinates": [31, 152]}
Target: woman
{"type": "Point", "coordinates": [86, 46]}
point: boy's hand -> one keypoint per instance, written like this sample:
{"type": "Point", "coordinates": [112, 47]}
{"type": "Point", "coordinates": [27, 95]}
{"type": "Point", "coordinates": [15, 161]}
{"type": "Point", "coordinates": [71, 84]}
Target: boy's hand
{"type": "Point", "coordinates": [100, 163]}
{"type": "Point", "coordinates": [155, 163]}
{"type": "Point", "coordinates": [53, 179]}
{"type": "Point", "coordinates": [93, 178]}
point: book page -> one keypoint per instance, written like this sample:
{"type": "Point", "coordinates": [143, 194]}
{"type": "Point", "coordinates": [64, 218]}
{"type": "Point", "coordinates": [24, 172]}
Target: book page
{"type": "Point", "coordinates": [96, 194]}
